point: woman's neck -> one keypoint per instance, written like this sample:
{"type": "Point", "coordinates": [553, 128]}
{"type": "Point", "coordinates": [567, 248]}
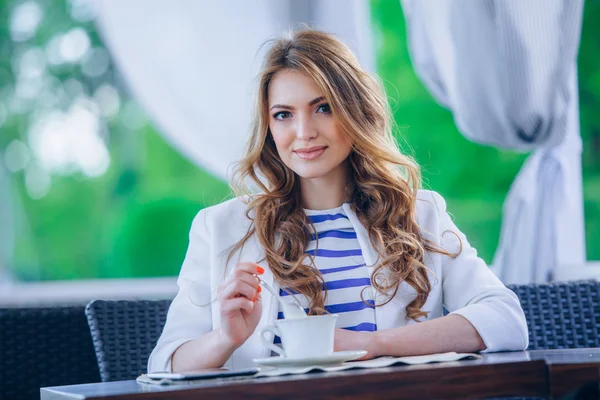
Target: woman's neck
{"type": "Point", "coordinates": [324, 192]}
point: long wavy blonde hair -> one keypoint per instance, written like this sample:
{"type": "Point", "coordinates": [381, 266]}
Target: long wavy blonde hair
{"type": "Point", "coordinates": [384, 182]}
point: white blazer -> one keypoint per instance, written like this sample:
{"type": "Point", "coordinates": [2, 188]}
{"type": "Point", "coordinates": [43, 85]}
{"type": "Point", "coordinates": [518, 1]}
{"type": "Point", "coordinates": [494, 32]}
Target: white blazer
{"type": "Point", "coordinates": [464, 285]}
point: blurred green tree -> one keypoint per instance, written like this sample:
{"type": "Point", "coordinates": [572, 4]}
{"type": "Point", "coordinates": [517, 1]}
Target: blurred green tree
{"type": "Point", "coordinates": [589, 99]}
{"type": "Point", "coordinates": [133, 219]}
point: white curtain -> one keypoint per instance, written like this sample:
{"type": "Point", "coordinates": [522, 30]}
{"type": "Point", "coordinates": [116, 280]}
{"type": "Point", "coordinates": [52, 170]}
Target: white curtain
{"type": "Point", "coordinates": [191, 64]}
{"type": "Point", "coordinates": [507, 70]}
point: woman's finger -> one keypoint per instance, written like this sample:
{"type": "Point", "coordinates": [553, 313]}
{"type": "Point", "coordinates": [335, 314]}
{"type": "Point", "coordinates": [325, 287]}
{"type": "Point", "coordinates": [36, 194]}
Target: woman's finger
{"type": "Point", "coordinates": [236, 304]}
{"type": "Point", "coordinates": [246, 272]}
{"type": "Point", "coordinates": [239, 288]}
{"type": "Point", "coordinates": [244, 276]}
{"type": "Point", "coordinates": [249, 267]}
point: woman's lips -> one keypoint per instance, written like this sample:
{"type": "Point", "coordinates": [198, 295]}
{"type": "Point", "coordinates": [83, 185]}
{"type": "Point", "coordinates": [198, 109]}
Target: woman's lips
{"type": "Point", "coordinates": [311, 153]}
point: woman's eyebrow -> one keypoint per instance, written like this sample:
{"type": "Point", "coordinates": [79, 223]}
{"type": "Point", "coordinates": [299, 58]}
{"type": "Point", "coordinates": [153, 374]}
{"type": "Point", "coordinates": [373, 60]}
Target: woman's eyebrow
{"type": "Point", "coordinates": [315, 101]}
{"type": "Point", "coordinates": [311, 103]}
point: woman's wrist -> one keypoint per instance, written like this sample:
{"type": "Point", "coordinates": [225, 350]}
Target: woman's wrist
{"type": "Point", "coordinates": [225, 343]}
{"type": "Point", "coordinates": [388, 342]}
{"type": "Point", "coordinates": [373, 344]}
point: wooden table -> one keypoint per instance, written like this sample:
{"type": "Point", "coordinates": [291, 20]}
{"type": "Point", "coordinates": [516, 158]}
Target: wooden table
{"type": "Point", "coordinates": [532, 373]}
{"type": "Point", "coordinates": [569, 368]}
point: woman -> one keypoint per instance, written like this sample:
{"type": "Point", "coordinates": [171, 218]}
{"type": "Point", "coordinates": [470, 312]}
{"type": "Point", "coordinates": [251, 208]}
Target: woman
{"type": "Point", "coordinates": [340, 221]}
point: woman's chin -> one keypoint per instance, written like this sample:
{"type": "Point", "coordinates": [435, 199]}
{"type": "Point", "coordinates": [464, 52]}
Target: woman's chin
{"type": "Point", "coordinates": [310, 174]}
{"type": "Point", "coordinates": [316, 171]}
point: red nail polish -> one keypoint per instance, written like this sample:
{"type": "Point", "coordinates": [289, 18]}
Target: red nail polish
{"type": "Point", "coordinates": [260, 270]}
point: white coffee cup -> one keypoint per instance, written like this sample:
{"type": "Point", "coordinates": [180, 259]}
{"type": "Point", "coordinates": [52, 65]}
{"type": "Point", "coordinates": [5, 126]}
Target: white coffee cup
{"type": "Point", "coordinates": [310, 336]}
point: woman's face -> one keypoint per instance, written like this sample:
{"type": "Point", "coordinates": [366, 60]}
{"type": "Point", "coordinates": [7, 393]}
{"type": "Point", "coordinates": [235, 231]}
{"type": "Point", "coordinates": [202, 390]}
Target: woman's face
{"type": "Point", "coordinates": [305, 132]}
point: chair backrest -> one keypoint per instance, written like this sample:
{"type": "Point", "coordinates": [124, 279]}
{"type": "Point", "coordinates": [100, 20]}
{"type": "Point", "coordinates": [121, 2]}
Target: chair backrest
{"type": "Point", "coordinates": [124, 334]}
{"type": "Point", "coordinates": [561, 315]}
{"type": "Point", "coordinates": [45, 346]}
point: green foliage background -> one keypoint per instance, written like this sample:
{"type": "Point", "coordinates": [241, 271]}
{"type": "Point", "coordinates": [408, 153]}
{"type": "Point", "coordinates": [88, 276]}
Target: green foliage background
{"type": "Point", "coordinates": [134, 220]}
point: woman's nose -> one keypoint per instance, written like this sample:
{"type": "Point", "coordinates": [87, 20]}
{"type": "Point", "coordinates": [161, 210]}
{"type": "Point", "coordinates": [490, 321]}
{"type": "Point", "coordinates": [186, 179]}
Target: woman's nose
{"type": "Point", "coordinates": [305, 129]}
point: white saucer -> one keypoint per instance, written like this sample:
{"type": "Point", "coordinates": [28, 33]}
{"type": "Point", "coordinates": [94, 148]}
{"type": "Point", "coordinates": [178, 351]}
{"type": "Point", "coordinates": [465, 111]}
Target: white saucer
{"type": "Point", "coordinates": [335, 358]}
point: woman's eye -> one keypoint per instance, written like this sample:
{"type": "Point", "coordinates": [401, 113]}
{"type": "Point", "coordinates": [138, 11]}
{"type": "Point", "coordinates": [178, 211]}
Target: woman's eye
{"type": "Point", "coordinates": [324, 108]}
{"type": "Point", "coordinates": [281, 115]}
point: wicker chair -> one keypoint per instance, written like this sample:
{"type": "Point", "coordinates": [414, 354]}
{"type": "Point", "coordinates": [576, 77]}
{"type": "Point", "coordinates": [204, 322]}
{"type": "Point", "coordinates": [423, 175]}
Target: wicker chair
{"type": "Point", "coordinates": [44, 347]}
{"type": "Point", "coordinates": [561, 315]}
{"type": "Point", "coordinates": [124, 334]}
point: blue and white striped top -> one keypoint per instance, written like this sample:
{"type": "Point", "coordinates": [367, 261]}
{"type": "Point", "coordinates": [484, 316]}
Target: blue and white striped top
{"type": "Point", "coordinates": [340, 261]}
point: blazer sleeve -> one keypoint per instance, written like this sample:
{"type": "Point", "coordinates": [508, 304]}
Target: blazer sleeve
{"type": "Point", "coordinates": [189, 315]}
{"type": "Point", "coordinates": [472, 290]}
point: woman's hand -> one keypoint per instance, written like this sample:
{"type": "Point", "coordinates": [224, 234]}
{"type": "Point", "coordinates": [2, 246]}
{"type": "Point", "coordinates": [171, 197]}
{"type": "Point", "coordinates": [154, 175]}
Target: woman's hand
{"type": "Point", "coordinates": [345, 340]}
{"type": "Point", "coordinates": [240, 303]}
